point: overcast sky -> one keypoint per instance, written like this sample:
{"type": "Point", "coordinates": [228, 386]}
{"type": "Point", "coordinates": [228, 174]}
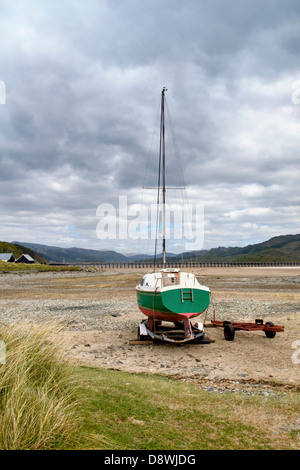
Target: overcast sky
{"type": "Point", "coordinates": [80, 92]}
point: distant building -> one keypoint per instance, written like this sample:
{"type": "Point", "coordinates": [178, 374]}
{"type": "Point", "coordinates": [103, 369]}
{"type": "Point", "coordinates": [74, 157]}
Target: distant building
{"type": "Point", "coordinates": [8, 257]}
{"type": "Point", "coordinates": [25, 259]}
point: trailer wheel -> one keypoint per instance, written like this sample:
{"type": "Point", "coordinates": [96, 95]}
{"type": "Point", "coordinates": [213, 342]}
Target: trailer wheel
{"type": "Point", "coordinates": [143, 337]}
{"type": "Point", "coordinates": [270, 334]}
{"type": "Point", "coordinates": [229, 332]}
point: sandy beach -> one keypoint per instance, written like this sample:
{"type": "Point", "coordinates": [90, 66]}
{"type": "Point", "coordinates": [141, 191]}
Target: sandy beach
{"type": "Point", "coordinates": [99, 317]}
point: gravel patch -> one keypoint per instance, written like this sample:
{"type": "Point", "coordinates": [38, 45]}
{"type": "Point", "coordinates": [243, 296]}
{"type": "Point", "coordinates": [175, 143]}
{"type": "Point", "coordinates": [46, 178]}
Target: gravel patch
{"type": "Point", "coordinates": [73, 315]}
{"type": "Point", "coordinates": [245, 309]}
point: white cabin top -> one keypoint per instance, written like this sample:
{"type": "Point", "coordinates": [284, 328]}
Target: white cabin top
{"type": "Point", "coordinates": [169, 278]}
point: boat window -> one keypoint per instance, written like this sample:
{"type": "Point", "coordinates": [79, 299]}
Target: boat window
{"type": "Point", "coordinates": [170, 278]}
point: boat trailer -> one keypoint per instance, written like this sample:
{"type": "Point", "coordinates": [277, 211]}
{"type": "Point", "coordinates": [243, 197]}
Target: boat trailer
{"type": "Point", "coordinates": [185, 331]}
{"type": "Point", "coordinates": [177, 332]}
{"type": "Point", "coordinates": [230, 328]}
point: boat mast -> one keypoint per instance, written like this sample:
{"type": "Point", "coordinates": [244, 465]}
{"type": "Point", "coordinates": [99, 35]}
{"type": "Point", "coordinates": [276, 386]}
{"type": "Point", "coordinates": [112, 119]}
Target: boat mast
{"type": "Point", "coordinates": [164, 174]}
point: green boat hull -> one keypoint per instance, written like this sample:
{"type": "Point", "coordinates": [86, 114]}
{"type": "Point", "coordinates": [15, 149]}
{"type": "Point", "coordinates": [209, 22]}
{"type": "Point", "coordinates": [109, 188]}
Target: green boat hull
{"type": "Point", "coordinates": [173, 304]}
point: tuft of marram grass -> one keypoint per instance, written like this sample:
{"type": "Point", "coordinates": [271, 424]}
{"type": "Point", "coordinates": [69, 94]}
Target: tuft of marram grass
{"type": "Point", "coordinates": [39, 404]}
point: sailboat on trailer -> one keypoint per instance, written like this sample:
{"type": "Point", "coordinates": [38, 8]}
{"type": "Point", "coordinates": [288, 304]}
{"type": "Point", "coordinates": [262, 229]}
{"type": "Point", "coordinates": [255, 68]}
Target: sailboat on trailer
{"type": "Point", "coordinates": [171, 295]}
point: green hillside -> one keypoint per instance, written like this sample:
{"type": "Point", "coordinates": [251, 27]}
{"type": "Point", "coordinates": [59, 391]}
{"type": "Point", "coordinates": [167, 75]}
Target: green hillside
{"type": "Point", "coordinates": [56, 254]}
{"type": "Point", "coordinates": [281, 249]}
{"type": "Point", "coordinates": [18, 250]}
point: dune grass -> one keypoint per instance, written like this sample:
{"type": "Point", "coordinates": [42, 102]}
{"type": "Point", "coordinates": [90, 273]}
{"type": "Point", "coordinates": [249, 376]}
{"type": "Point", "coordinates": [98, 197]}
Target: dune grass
{"type": "Point", "coordinates": [38, 400]}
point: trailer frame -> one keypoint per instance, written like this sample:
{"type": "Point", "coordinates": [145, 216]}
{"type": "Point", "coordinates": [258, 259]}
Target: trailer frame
{"type": "Point", "coordinates": [230, 327]}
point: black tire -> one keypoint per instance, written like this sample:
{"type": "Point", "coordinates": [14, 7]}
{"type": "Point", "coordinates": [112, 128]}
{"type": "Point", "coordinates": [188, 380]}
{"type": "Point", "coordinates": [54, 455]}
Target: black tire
{"type": "Point", "coordinates": [229, 332]}
{"type": "Point", "coordinates": [270, 334]}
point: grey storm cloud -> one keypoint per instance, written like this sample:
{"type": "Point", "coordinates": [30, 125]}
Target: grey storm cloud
{"type": "Point", "coordinates": [83, 82]}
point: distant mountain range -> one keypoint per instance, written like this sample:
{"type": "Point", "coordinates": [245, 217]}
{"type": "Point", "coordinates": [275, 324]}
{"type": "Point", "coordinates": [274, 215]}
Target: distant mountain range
{"type": "Point", "coordinates": [283, 248]}
{"type": "Point", "coordinates": [56, 254]}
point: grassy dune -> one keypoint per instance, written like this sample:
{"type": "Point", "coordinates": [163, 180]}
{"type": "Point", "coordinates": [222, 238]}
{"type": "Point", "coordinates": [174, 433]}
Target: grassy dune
{"type": "Point", "coordinates": [38, 400]}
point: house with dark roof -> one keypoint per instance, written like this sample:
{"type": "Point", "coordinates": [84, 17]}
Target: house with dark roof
{"type": "Point", "coordinates": [7, 257]}
{"type": "Point", "coordinates": [25, 259]}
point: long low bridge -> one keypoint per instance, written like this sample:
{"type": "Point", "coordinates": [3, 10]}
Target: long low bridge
{"type": "Point", "coordinates": [180, 265]}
